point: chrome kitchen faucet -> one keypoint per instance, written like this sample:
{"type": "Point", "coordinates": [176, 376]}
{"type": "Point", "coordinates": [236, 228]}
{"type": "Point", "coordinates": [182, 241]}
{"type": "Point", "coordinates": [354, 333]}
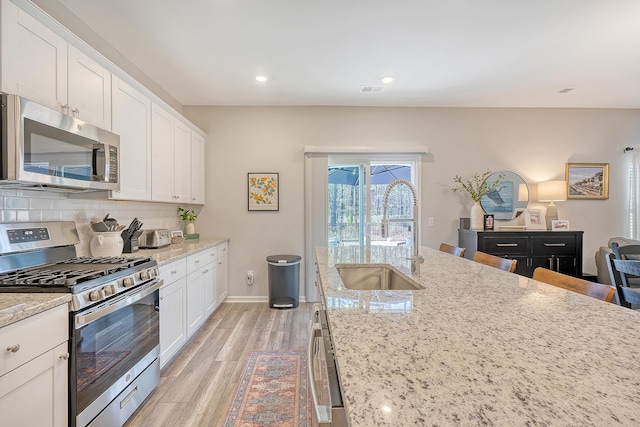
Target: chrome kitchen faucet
{"type": "Point", "coordinates": [415, 259]}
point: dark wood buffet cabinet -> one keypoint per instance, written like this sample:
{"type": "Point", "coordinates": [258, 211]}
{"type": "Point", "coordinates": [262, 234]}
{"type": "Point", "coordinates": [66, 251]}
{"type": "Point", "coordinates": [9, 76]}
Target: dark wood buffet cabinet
{"type": "Point", "coordinates": [559, 251]}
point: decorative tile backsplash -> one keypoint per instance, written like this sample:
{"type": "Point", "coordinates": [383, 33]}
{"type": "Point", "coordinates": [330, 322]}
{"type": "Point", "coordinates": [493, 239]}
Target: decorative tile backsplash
{"type": "Point", "coordinates": [35, 205]}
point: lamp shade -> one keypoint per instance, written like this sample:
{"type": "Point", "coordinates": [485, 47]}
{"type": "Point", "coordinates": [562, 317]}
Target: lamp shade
{"type": "Point", "coordinates": [552, 191]}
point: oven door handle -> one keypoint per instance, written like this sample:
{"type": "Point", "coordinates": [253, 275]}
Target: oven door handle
{"type": "Point", "coordinates": [111, 306]}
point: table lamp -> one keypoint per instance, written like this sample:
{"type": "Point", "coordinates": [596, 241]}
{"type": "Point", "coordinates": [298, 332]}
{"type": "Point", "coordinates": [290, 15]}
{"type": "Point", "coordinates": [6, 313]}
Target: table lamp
{"type": "Point", "coordinates": [552, 191]}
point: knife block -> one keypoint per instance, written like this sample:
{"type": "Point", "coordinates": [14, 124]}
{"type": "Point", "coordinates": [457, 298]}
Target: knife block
{"type": "Point", "coordinates": [130, 245]}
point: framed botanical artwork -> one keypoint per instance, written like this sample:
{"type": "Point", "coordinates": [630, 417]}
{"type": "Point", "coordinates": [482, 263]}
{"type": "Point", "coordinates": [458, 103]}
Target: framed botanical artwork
{"type": "Point", "coordinates": [264, 191]}
{"type": "Point", "coordinates": [559, 225]}
{"type": "Point", "coordinates": [534, 219]}
{"type": "Point", "coordinates": [587, 180]}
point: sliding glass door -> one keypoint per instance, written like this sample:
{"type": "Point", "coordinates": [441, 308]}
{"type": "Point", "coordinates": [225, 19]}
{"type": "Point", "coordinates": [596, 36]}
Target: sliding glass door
{"type": "Point", "coordinates": [356, 191]}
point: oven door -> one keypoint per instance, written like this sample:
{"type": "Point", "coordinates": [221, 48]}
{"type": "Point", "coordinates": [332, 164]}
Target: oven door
{"type": "Point", "coordinates": [111, 345]}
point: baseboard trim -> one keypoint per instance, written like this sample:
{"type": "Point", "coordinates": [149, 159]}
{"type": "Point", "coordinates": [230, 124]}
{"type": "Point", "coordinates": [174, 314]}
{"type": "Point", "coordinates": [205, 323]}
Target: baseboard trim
{"type": "Point", "coordinates": [241, 299]}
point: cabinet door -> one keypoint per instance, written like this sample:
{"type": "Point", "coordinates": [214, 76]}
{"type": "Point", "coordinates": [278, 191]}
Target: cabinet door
{"type": "Point", "coordinates": [161, 155]}
{"type": "Point", "coordinates": [195, 301]}
{"type": "Point", "coordinates": [34, 59]}
{"type": "Point", "coordinates": [197, 168]}
{"type": "Point", "coordinates": [182, 162]}
{"type": "Point", "coordinates": [89, 86]}
{"type": "Point", "coordinates": [221, 278]}
{"type": "Point", "coordinates": [173, 322]}
{"type": "Point", "coordinates": [132, 121]}
{"type": "Point", "coordinates": [35, 394]}
{"type": "Point", "coordinates": [561, 264]}
{"type": "Point", "coordinates": [209, 277]}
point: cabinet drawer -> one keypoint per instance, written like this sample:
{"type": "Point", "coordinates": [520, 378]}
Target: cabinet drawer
{"type": "Point", "coordinates": [554, 245]}
{"type": "Point", "coordinates": [506, 244]}
{"type": "Point", "coordinates": [173, 271]}
{"type": "Point", "coordinates": [200, 259]}
{"type": "Point", "coordinates": [32, 337]}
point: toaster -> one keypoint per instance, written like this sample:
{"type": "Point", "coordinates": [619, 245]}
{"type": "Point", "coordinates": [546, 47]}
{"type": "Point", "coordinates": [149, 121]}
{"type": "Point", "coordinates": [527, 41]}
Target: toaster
{"type": "Point", "coordinates": [154, 238]}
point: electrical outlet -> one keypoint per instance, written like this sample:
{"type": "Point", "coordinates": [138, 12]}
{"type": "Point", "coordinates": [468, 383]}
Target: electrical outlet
{"type": "Point", "coordinates": [250, 277]}
{"type": "Point", "coordinates": [430, 222]}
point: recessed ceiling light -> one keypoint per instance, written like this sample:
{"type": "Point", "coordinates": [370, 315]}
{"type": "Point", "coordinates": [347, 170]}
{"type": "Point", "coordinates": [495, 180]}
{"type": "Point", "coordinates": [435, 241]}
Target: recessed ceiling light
{"type": "Point", "coordinates": [261, 78]}
{"type": "Point", "coordinates": [387, 80]}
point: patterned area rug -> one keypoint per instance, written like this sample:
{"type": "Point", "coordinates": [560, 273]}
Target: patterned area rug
{"type": "Point", "coordinates": [273, 391]}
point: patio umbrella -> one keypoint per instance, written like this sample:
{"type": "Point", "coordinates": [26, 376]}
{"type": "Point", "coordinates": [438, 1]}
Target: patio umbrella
{"type": "Point", "coordinates": [380, 174]}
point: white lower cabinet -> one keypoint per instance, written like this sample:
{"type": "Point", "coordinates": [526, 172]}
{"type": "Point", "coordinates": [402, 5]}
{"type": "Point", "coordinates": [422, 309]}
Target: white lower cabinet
{"type": "Point", "coordinates": [194, 287]}
{"type": "Point", "coordinates": [173, 303]}
{"type": "Point", "coordinates": [34, 378]}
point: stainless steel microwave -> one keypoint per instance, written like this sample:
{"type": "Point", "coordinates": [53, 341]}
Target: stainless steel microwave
{"type": "Point", "coordinates": [42, 147]}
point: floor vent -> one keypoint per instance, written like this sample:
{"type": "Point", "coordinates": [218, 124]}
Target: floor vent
{"type": "Point", "coordinates": [371, 89]}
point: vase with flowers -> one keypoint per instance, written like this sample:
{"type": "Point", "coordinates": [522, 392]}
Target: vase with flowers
{"type": "Point", "coordinates": [477, 186]}
{"type": "Point", "coordinates": [189, 218]}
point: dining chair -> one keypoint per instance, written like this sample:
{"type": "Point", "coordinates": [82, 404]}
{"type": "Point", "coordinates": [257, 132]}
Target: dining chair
{"type": "Point", "coordinates": [619, 270]}
{"type": "Point", "coordinates": [453, 250]}
{"type": "Point", "coordinates": [505, 264]}
{"type": "Point", "coordinates": [581, 286]}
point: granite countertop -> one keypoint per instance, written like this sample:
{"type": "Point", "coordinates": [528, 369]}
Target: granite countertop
{"type": "Point", "coordinates": [478, 346]}
{"type": "Point", "coordinates": [15, 307]}
{"type": "Point", "coordinates": [176, 251]}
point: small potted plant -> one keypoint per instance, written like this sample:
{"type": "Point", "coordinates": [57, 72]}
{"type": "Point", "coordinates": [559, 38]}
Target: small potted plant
{"type": "Point", "coordinates": [477, 186]}
{"type": "Point", "coordinates": [189, 217]}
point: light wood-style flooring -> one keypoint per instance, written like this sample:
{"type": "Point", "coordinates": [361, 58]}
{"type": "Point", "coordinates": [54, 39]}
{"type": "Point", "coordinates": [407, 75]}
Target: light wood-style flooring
{"type": "Point", "coordinates": [197, 386]}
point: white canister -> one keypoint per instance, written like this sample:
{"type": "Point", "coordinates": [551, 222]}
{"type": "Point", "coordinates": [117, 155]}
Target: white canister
{"type": "Point", "coordinates": [106, 244]}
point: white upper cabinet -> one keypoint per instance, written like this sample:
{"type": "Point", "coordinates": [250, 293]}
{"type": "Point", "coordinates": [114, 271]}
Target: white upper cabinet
{"type": "Point", "coordinates": [34, 58]}
{"type": "Point", "coordinates": [40, 65]}
{"type": "Point", "coordinates": [161, 155]}
{"type": "Point", "coordinates": [131, 117]}
{"type": "Point", "coordinates": [89, 89]}
{"type": "Point", "coordinates": [197, 168]}
{"type": "Point", "coordinates": [182, 162]}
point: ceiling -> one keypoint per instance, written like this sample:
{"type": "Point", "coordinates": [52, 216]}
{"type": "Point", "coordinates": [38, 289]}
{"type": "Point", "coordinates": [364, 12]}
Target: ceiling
{"type": "Point", "coordinates": [489, 53]}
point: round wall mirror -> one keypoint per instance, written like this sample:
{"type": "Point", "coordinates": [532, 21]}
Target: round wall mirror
{"type": "Point", "coordinates": [509, 199]}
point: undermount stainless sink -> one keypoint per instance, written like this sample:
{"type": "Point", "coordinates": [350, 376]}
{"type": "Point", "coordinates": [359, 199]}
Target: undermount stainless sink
{"type": "Point", "coordinates": [367, 277]}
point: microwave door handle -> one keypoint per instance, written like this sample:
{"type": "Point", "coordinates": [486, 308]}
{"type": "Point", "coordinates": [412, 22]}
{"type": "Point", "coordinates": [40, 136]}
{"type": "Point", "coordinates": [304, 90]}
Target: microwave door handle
{"type": "Point", "coordinates": [98, 168]}
{"type": "Point", "coordinates": [322, 412]}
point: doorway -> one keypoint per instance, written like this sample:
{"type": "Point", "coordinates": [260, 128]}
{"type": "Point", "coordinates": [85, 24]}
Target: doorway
{"type": "Point", "coordinates": [356, 190]}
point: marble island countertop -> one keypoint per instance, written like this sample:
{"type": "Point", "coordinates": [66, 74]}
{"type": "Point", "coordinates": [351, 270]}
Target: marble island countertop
{"type": "Point", "coordinates": [478, 346]}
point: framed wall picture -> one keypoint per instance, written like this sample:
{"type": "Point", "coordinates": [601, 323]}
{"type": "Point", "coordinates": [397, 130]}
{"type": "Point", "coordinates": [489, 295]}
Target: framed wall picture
{"type": "Point", "coordinates": [488, 222]}
{"type": "Point", "coordinates": [587, 180]}
{"type": "Point", "coordinates": [534, 219]}
{"type": "Point", "coordinates": [264, 191]}
{"type": "Point", "coordinates": [559, 225]}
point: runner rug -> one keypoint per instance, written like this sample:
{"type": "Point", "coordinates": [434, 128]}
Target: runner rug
{"type": "Point", "coordinates": [273, 391]}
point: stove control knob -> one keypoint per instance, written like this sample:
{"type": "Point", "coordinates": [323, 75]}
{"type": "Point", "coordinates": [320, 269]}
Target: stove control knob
{"type": "Point", "coordinates": [145, 275]}
{"type": "Point", "coordinates": [154, 272]}
{"type": "Point", "coordinates": [95, 296]}
{"type": "Point", "coordinates": [128, 281]}
{"type": "Point", "coordinates": [109, 290]}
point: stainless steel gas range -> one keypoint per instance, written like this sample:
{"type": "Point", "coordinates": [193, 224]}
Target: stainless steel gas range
{"type": "Point", "coordinates": [113, 321]}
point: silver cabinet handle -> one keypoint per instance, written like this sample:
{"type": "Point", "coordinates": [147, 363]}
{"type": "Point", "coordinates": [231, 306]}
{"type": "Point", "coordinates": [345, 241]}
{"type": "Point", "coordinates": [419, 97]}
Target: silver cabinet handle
{"type": "Point", "coordinates": [65, 107]}
{"type": "Point", "coordinates": [507, 245]}
{"type": "Point", "coordinates": [555, 245]}
{"type": "Point", "coordinates": [75, 110]}
{"type": "Point", "coordinates": [13, 348]}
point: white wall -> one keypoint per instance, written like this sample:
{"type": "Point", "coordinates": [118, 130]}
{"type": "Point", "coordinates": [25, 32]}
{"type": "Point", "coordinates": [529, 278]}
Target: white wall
{"type": "Point", "coordinates": [535, 143]}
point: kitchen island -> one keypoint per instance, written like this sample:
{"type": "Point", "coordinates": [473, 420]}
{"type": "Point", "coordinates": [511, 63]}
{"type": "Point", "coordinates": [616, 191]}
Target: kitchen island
{"type": "Point", "coordinates": [477, 346]}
